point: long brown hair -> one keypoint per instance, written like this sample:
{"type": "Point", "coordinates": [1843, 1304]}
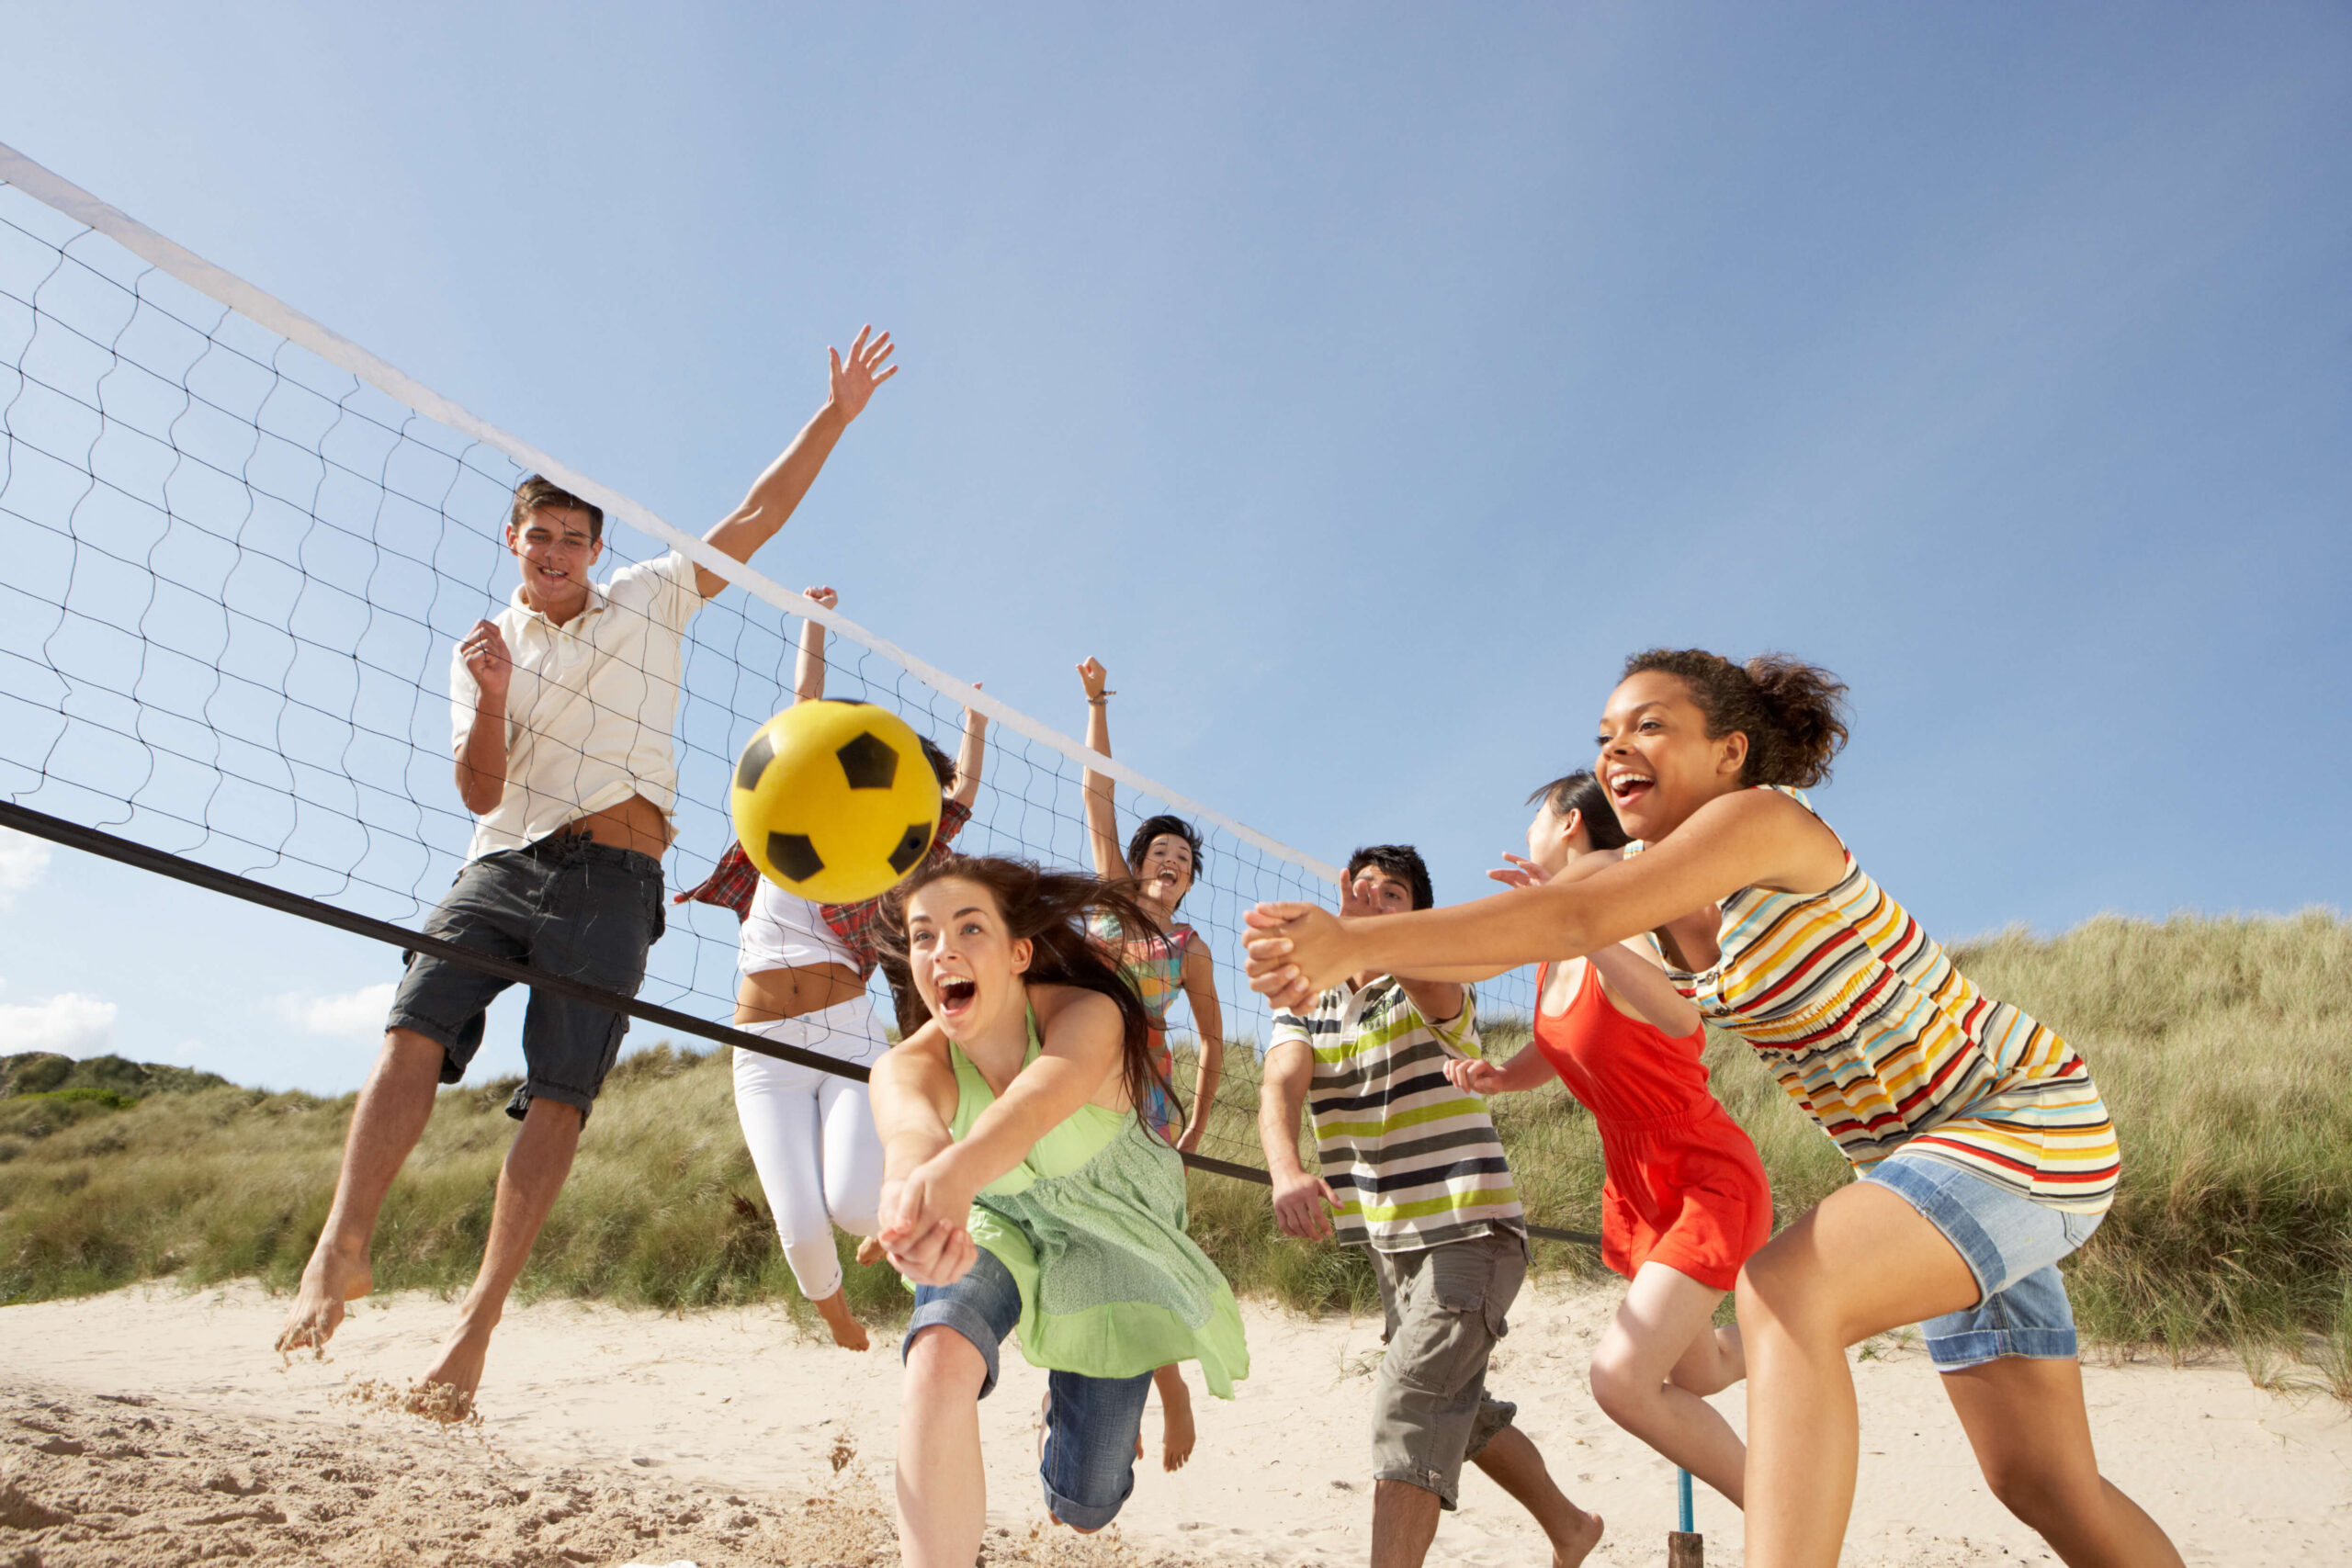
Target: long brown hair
{"type": "Point", "coordinates": [1050, 909]}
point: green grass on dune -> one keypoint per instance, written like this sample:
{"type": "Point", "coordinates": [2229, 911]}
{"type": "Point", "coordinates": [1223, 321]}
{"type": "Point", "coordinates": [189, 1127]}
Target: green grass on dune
{"type": "Point", "coordinates": [2223, 1047]}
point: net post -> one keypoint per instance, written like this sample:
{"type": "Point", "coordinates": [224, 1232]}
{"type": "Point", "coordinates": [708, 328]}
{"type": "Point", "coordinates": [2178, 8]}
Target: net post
{"type": "Point", "coordinates": [1685, 1547]}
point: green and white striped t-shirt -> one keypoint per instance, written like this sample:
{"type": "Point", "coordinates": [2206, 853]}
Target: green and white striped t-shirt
{"type": "Point", "coordinates": [1413, 1160]}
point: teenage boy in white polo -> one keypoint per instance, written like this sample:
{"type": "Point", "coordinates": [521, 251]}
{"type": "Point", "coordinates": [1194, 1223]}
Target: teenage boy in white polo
{"type": "Point", "coordinates": [1412, 1172]}
{"type": "Point", "coordinates": [563, 704]}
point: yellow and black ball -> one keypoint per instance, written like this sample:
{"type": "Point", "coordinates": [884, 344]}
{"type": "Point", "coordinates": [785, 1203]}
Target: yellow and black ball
{"type": "Point", "coordinates": [835, 801]}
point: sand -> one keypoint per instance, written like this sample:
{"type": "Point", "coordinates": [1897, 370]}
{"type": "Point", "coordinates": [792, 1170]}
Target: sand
{"type": "Point", "coordinates": [152, 1427]}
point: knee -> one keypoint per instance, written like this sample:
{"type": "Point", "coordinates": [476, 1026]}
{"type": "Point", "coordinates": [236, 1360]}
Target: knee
{"type": "Point", "coordinates": [2039, 1497]}
{"type": "Point", "coordinates": [943, 1364]}
{"type": "Point", "coordinates": [1774, 1297]}
{"type": "Point", "coordinates": [1617, 1384]}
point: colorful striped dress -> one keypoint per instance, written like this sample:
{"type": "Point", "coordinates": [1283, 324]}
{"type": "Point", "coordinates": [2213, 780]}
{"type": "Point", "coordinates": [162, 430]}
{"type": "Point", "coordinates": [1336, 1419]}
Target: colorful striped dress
{"type": "Point", "coordinates": [1154, 966]}
{"type": "Point", "coordinates": [1876, 1036]}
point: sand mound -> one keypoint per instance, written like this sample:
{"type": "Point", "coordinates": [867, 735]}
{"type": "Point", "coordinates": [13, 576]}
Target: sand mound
{"type": "Point", "coordinates": [133, 1483]}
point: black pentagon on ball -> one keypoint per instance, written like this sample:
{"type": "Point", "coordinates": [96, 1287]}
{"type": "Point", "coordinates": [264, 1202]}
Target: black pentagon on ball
{"type": "Point", "coordinates": [755, 759]}
{"type": "Point", "coordinates": [794, 855]}
{"type": "Point", "coordinates": [917, 839]}
{"type": "Point", "coordinates": [868, 761]}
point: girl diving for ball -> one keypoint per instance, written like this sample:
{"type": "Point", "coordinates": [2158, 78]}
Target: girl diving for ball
{"type": "Point", "coordinates": [1158, 865]}
{"type": "Point", "coordinates": [804, 969]}
{"type": "Point", "coordinates": [1684, 1202]}
{"type": "Point", "coordinates": [1023, 1192]}
{"type": "Point", "coordinates": [1985, 1152]}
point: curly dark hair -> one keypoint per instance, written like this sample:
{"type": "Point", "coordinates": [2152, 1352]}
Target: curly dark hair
{"type": "Point", "coordinates": [1580, 792]}
{"type": "Point", "coordinates": [1793, 712]}
{"type": "Point", "coordinates": [1050, 909]}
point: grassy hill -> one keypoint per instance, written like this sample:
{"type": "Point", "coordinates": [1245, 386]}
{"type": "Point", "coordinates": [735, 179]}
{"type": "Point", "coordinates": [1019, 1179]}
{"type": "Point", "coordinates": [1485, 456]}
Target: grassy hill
{"type": "Point", "coordinates": [2223, 1047]}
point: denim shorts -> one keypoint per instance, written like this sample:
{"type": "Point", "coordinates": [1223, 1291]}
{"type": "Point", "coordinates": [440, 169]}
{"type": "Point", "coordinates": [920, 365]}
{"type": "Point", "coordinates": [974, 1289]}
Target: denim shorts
{"type": "Point", "coordinates": [1091, 1424]}
{"type": "Point", "coordinates": [1445, 1305]}
{"type": "Point", "coordinates": [2011, 1245]}
{"type": "Point", "coordinates": [566, 904]}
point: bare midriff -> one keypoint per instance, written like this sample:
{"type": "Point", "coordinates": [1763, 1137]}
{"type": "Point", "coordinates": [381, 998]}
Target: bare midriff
{"type": "Point", "coordinates": [635, 824]}
{"type": "Point", "coordinates": [789, 993]}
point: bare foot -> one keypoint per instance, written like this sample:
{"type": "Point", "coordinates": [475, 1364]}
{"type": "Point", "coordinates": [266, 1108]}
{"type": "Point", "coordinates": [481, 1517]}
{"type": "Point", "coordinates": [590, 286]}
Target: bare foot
{"type": "Point", "coordinates": [333, 1276]}
{"type": "Point", "coordinates": [1176, 1434]}
{"type": "Point", "coordinates": [869, 1252]}
{"type": "Point", "coordinates": [459, 1372]}
{"type": "Point", "coordinates": [1581, 1543]}
{"type": "Point", "coordinates": [848, 1333]}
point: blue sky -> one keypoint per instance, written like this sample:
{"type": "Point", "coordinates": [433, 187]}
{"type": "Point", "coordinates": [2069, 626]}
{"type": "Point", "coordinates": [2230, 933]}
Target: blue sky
{"type": "Point", "coordinates": [1361, 385]}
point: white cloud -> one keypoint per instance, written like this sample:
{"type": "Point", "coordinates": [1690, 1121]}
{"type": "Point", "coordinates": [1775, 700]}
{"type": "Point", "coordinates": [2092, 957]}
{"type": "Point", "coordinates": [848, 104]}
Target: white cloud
{"type": "Point", "coordinates": [68, 1023]}
{"type": "Point", "coordinates": [348, 1015]}
{"type": "Point", "coordinates": [23, 859]}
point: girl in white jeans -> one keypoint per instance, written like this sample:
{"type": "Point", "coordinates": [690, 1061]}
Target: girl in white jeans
{"type": "Point", "coordinates": [810, 1133]}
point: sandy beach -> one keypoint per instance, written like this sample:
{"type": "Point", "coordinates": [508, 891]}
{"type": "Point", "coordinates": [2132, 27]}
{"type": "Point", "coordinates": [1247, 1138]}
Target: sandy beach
{"type": "Point", "coordinates": [153, 1426]}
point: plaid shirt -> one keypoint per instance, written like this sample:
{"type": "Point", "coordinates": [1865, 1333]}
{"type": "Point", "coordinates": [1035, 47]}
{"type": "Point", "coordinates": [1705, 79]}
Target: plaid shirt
{"type": "Point", "coordinates": [733, 881]}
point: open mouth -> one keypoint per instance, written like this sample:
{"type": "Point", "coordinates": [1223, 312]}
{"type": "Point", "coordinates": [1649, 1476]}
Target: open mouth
{"type": "Point", "coordinates": [1628, 787]}
{"type": "Point", "coordinates": [955, 994]}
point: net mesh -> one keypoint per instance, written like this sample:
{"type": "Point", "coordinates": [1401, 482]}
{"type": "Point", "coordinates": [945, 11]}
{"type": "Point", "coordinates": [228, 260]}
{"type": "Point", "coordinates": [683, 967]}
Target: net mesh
{"type": "Point", "coordinates": [236, 576]}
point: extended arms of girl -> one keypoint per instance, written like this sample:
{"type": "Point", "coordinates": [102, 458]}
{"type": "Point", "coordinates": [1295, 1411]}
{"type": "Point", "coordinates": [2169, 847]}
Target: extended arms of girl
{"type": "Point", "coordinates": [913, 1094]}
{"type": "Point", "coordinates": [1081, 1051]}
{"type": "Point", "coordinates": [1738, 840]}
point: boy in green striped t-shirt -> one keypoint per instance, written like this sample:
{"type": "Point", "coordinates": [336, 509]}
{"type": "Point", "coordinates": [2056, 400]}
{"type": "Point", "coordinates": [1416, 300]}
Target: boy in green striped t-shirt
{"type": "Point", "coordinates": [1412, 1170]}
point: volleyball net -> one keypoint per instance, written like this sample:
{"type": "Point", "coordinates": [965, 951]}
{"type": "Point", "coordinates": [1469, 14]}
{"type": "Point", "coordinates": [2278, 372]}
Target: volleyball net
{"type": "Point", "coordinates": [241, 549]}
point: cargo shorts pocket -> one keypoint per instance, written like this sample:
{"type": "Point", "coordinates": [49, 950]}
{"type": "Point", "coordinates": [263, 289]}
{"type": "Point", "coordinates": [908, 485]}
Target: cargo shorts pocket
{"type": "Point", "coordinates": [1442, 1345]}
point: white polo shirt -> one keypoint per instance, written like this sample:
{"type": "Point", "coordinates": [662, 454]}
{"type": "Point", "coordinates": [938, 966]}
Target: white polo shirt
{"type": "Point", "coordinates": [590, 707]}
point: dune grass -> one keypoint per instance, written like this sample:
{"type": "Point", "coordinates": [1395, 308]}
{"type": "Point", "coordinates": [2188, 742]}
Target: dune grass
{"type": "Point", "coordinates": [2224, 1045]}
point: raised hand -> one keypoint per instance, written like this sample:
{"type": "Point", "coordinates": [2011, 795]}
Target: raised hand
{"type": "Point", "coordinates": [1520, 872]}
{"type": "Point", "coordinates": [824, 596]}
{"type": "Point", "coordinates": [1091, 675]}
{"type": "Point", "coordinates": [854, 382]}
{"type": "Point", "coordinates": [1296, 953]}
{"type": "Point", "coordinates": [487, 659]}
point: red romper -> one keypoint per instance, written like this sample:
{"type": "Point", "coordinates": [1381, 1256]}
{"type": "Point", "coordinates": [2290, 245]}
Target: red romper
{"type": "Point", "coordinates": [1684, 1186]}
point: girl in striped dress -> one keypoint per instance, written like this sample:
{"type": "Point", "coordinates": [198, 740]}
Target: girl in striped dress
{"type": "Point", "coordinates": [1158, 866]}
{"type": "Point", "coordinates": [1158, 869]}
{"type": "Point", "coordinates": [1985, 1152]}
{"type": "Point", "coordinates": [1685, 1201]}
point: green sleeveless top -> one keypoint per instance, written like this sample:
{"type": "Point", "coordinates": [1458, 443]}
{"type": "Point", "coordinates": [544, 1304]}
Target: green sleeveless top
{"type": "Point", "coordinates": [1090, 1226]}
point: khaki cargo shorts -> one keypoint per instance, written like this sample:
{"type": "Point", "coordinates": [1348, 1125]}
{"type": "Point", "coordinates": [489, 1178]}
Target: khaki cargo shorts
{"type": "Point", "coordinates": [1445, 1307]}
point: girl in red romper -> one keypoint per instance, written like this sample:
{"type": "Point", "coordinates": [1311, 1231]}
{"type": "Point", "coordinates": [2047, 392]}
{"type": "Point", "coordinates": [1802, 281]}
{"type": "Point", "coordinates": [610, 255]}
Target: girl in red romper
{"type": "Point", "coordinates": [1685, 1201]}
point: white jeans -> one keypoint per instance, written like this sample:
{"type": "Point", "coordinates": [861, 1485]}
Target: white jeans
{"type": "Point", "coordinates": [812, 1139]}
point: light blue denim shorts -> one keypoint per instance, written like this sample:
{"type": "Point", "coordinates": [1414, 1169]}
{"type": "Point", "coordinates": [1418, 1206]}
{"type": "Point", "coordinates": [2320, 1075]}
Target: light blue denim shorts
{"type": "Point", "coordinates": [2012, 1244]}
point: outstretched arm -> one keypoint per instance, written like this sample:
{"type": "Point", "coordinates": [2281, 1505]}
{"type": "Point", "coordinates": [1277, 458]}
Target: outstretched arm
{"type": "Point", "coordinates": [913, 1092]}
{"type": "Point", "coordinates": [1208, 1024]}
{"type": "Point", "coordinates": [969, 756]}
{"type": "Point", "coordinates": [1082, 1034]}
{"type": "Point", "coordinates": [1529, 1070]}
{"type": "Point", "coordinates": [809, 669]}
{"type": "Point", "coordinates": [777, 492]}
{"type": "Point", "coordinates": [1102, 804]}
{"type": "Point", "coordinates": [1751, 839]}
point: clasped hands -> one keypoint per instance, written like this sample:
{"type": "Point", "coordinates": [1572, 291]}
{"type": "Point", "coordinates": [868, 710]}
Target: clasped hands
{"type": "Point", "coordinates": [924, 1223]}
